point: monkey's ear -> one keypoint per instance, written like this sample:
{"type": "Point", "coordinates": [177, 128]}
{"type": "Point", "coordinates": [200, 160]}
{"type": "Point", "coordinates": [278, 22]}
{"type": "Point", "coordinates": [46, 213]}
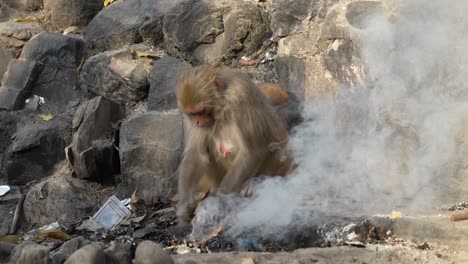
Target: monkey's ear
{"type": "Point", "coordinates": [219, 84]}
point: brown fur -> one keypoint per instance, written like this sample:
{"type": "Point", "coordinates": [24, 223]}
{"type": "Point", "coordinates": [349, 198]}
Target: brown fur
{"type": "Point", "coordinates": [245, 137]}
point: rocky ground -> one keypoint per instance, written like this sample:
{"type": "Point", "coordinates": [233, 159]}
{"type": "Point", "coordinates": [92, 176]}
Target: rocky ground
{"type": "Point", "coordinates": [87, 111]}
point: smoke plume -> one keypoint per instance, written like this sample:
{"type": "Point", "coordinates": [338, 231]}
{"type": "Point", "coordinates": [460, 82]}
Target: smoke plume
{"type": "Point", "coordinates": [396, 144]}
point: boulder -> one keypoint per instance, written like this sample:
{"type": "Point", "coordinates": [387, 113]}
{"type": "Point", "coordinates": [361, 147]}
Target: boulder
{"type": "Point", "coordinates": [92, 153]}
{"type": "Point", "coordinates": [14, 35]}
{"type": "Point", "coordinates": [59, 198]}
{"type": "Point", "coordinates": [5, 58]}
{"type": "Point", "coordinates": [7, 208]}
{"type": "Point", "coordinates": [148, 252]}
{"type": "Point", "coordinates": [117, 75]}
{"type": "Point", "coordinates": [17, 83]}
{"type": "Point", "coordinates": [35, 149]}
{"type": "Point", "coordinates": [67, 249]}
{"type": "Point", "coordinates": [48, 68]}
{"type": "Point", "coordinates": [336, 63]}
{"type": "Point", "coordinates": [89, 254]}
{"type": "Point", "coordinates": [120, 252]}
{"type": "Point", "coordinates": [215, 32]}
{"type": "Point", "coordinates": [163, 79]}
{"type": "Point", "coordinates": [118, 24]}
{"type": "Point", "coordinates": [150, 150]}
{"type": "Point", "coordinates": [55, 50]}
{"type": "Point", "coordinates": [6, 11]}
{"type": "Point", "coordinates": [31, 5]}
{"type": "Point", "coordinates": [358, 12]}
{"type": "Point", "coordinates": [5, 251]}
{"type": "Point", "coordinates": [65, 13]}
{"type": "Point", "coordinates": [152, 30]}
{"type": "Point", "coordinates": [30, 253]}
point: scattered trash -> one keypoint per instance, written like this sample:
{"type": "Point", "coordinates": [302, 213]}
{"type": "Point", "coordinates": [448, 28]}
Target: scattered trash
{"type": "Point", "coordinates": [47, 117]}
{"type": "Point", "coordinates": [26, 20]}
{"type": "Point", "coordinates": [184, 248]}
{"type": "Point", "coordinates": [269, 55]}
{"type": "Point", "coordinates": [34, 102]}
{"type": "Point", "coordinates": [111, 214]}
{"type": "Point", "coordinates": [108, 2]}
{"type": "Point", "coordinates": [69, 30]}
{"type": "Point", "coordinates": [4, 189]}
{"type": "Point", "coordinates": [52, 230]}
{"type": "Point", "coordinates": [152, 55]}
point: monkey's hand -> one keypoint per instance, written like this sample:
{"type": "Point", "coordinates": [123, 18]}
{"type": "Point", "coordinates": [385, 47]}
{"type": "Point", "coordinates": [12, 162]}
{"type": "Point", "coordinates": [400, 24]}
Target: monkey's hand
{"type": "Point", "coordinates": [243, 168]}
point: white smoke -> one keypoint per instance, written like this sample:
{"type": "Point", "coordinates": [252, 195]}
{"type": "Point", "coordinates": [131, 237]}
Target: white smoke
{"type": "Point", "coordinates": [396, 144]}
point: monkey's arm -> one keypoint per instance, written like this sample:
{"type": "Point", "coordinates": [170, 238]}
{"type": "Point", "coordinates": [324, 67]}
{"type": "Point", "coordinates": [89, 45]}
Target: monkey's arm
{"type": "Point", "coordinates": [190, 173]}
{"type": "Point", "coordinates": [243, 168]}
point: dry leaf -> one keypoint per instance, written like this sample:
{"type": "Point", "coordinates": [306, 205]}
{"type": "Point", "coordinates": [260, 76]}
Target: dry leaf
{"type": "Point", "coordinates": [56, 233]}
{"type": "Point", "coordinates": [147, 54]}
{"type": "Point", "coordinates": [108, 2]}
{"type": "Point", "coordinates": [47, 117]}
{"type": "Point", "coordinates": [395, 215]}
{"type": "Point", "coordinates": [25, 20]}
{"type": "Point", "coordinates": [138, 219]}
{"type": "Point", "coordinates": [11, 239]}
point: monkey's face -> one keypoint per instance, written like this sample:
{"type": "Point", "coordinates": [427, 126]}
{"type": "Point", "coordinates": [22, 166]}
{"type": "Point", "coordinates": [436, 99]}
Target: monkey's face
{"type": "Point", "coordinates": [200, 116]}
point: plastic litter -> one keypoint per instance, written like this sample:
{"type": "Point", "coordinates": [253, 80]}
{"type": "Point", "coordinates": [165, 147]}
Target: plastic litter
{"type": "Point", "coordinates": [4, 189]}
{"type": "Point", "coordinates": [111, 214]}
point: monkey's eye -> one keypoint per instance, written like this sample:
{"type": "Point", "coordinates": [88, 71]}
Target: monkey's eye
{"type": "Point", "coordinates": [200, 113]}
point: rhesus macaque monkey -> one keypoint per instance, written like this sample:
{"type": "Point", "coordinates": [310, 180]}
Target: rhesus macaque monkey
{"type": "Point", "coordinates": [232, 134]}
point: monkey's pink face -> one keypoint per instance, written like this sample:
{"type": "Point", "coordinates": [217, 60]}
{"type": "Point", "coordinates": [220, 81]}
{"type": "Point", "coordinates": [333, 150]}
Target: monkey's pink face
{"type": "Point", "coordinates": [200, 116]}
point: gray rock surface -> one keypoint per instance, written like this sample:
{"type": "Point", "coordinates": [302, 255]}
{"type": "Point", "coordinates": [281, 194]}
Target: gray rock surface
{"type": "Point", "coordinates": [148, 252]}
{"type": "Point", "coordinates": [150, 149]}
{"type": "Point", "coordinates": [89, 254]}
{"type": "Point", "coordinates": [215, 32]}
{"type": "Point", "coordinates": [5, 251]}
{"type": "Point", "coordinates": [68, 248]}
{"type": "Point", "coordinates": [120, 252]}
{"type": "Point", "coordinates": [17, 83]}
{"type": "Point", "coordinates": [59, 198]}
{"type": "Point", "coordinates": [55, 50]}
{"type": "Point", "coordinates": [163, 80]}
{"type": "Point", "coordinates": [117, 75]}
{"type": "Point", "coordinates": [31, 5]}
{"type": "Point", "coordinates": [92, 153]}
{"type": "Point", "coordinates": [358, 12]}
{"type": "Point", "coordinates": [30, 253]}
{"type": "Point", "coordinates": [107, 32]}
{"type": "Point", "coordinates": [35, 149]}
{"type": "Point", "coordinates": [65, 13]}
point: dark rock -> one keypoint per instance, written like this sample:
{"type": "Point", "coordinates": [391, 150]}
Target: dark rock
{"type": "Point", "coordinates": [89, 254]}
{"type": "Point", "coordinates": [162, 84]}
{"type": "Point", "coordinates": [287, 15]}
{"type": "Point", "coordinates": [117, 75]}
{"type": "Point", "coordinates": [32, 5]}
{"type": "Point", "coordinates": [358, 12]}
{"type": "Point", "coordinates": [150, 149]}
{"type": "Point", "coordinates": [18, 83]}
{"type": "Point", "coordinates": [152, 30]}
{"type": "Point", "coordinates": [60, 198]}
{"type": "Point", "coordinates": [48, 69]}
{"type": "Point", "coordinates": [55, 50]}
{"type": "Point", "coordinates": [65, 13]}
{"type": "Point", "coordinates": [5, 251]}
{"type": "Point", "coordinates": [92, 153]}
{"type": "Point", "coordinates": [142, 232]}
{"type": "Point", "coordinates": [30, 253]}
{"type": "Point", "coordinates": [35, 149]}
{"type": "Point", "coordinates": [148, 252]}
{"type": "Point", "coordinates": [120, 252]}
{"type": "Point", "coordinates": [6, 11]}
{"type": "Point", "coordinates": [291, 72]}
{"type": "Point", "coordinates": [5, 57]}
{"type": "Point", "coordinates": [191, 23]}
{"type": "Point", "coordinates": [68, 248]}
{"type": "Point", "coordinates": [107, 32]}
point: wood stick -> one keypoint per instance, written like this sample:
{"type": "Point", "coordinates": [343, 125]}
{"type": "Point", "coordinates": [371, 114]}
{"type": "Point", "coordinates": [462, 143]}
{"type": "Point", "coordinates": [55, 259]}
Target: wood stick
{"type": "Point", "coordinates": [19, 205]}
{"type": "Point", "coordinates": [462, 215]}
